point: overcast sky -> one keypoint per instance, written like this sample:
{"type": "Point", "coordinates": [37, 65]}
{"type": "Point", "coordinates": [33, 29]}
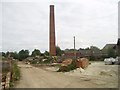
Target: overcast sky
{"type": "Point", "coordinates": [25, 24]}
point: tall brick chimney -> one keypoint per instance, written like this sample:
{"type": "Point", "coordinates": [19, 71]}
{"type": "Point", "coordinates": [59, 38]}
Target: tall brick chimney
{"type": "Point", "coordinates": [52, 46]}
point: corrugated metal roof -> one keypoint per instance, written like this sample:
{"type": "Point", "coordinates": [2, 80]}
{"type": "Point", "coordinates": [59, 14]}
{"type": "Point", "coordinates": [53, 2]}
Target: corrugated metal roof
{"type": "Point", "coordinates": [107, 46]}
{"type": "Point", "coordinates": [118, 43]}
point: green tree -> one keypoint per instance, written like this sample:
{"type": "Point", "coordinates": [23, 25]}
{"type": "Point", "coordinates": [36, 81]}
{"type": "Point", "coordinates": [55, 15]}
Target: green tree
{"type": "Point", "coordinates": [94, 48]}
{"type": "Point", "coordinates": [23, 54]}
{"type": "Point", "coordinates": [59, 52]}
{"type": "Point", "coordinates": [7, 54]}
{"type": "Point", "coordinates": [46, 53]}
{"type": "Point", "coordinates": [3, 54]}
{"type": "Point", "coordinates": [15, 55]}
{"type": "Point", "coordinates": [36, 52]}
{"type": "Point", "coordinates": [87, 48]}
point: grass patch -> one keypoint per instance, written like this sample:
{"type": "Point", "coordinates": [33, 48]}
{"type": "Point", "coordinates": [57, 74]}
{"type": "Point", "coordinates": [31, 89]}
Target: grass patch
{"type": "Point", "coordinates": [15, 74]}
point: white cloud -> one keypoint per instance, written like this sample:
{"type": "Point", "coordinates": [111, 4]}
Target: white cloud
{"type": "Point", "coordinates": [26, 24]}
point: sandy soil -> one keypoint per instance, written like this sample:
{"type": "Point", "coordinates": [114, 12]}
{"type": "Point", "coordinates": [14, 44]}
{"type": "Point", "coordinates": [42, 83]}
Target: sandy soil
{"type": "Point", "coordinates": [97, 75]}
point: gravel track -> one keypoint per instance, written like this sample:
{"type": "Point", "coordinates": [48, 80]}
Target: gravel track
{"type": "Point", "coordinates": [34, 77]}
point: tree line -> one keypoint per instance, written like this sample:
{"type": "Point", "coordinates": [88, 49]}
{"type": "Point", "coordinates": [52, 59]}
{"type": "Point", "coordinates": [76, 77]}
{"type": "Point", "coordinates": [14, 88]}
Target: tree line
{"type": "Point", "coordinates": [23, 54]}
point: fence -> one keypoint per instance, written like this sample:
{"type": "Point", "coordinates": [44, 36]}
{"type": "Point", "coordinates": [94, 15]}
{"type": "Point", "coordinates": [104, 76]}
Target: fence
{"type": "Point", "coordinates": [6, 73]}
{"type": "Point", "coordinates": [6, 81]}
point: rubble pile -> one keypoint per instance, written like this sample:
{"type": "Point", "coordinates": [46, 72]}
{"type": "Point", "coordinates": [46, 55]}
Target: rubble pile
{"type": "Point", "coordinates": [82, 63]}
{"type": "Point", "coordinates": [69, 64]}
{"type": "Point", "coordinates": [66, 62]}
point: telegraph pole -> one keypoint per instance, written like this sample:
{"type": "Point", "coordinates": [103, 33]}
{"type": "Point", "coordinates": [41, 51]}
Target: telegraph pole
{"type": "Point", "coordinates": [74, 42]}
{"type": "Point", "coordinates": [74, 49]}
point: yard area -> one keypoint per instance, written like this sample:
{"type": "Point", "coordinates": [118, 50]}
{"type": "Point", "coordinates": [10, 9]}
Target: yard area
{"type": "Point", "coordinates": [96, 75]}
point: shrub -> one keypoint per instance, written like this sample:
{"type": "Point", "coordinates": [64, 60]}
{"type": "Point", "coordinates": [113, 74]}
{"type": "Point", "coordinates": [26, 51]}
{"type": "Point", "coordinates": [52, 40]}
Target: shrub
{"type": "Point", "coordinates": [15, 74]}
{"type": "Point", "coordinates": [92, 58]}
{"type": "Point", "coordinates": [49, 60]}
{"type": "Point", "coordinates": [68, 68]}
{"type": "Point", "coordinates": [33, 62]}
{"type": "Point", "coordinates": [72, 66]}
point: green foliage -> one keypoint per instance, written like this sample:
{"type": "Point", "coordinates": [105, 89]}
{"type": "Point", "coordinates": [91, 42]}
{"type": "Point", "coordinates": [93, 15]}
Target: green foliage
{"type": "Point", "coordinates": [72, 66]}
{"type": "Point", "coordinates": [1, 58]}
{"type": "Point", "coordinates": [87, 48]}
{"type": "Point", "coordinates": [46, 53]}
{"type": "Point", "coordinates": [34, 62]}
{"type": "Point", "coordinates": [36, 52]}
{"type": "Point", "coordinates": [23, 54]}
{"type": "Point", "coordinates": [15, 74]}
{"type": "Point", "coordinates": [3, 54]}
{"type": "Point", "coordinates": [15, 55]}
{"type": "Point", "coordinates": [94, 48]}
{"type": "Point", "coordinates": [70, 49]}
{"type": "Point", "coordinates": [48, 60]}
{"type": "Point", "coordinates": [92, 58]}
{"type": "Point", "coordinates": [59, 52]}
{"type": "Point", "coordinates": [68, 68]}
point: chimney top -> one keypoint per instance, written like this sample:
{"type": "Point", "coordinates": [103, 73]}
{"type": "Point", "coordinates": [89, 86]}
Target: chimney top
{"type": "Point", "coordinates": [52, 2]}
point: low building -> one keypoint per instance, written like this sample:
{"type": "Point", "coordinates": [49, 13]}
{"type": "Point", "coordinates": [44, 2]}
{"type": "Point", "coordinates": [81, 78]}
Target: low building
{"type": "Point", "coordinates": [72, 54]}
{"type": "Point", "coordinates": [117, 47]}
{"type": "Point", "coordinates": [90, 52]}
{"type": "Point", "coordinates": [106, 49]}
{"type": "Point", "coordinates": [85, 53]}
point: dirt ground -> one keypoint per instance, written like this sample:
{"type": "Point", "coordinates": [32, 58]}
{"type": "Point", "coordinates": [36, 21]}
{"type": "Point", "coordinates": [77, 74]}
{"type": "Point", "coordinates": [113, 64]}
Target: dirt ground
{"type": "Point", "coordinates": [96, 75]}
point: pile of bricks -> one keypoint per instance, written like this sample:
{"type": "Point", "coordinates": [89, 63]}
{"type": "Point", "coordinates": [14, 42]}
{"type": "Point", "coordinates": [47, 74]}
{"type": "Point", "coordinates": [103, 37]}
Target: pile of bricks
{"type": "Point", "coordinates": [82, 62]}
{"type": "Point", "coordinates": [66, 62]}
